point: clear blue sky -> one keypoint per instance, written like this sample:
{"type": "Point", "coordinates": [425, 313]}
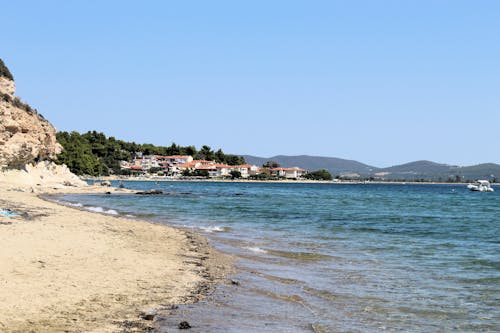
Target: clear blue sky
{"type": "Point", "coordinates": [382, 82]}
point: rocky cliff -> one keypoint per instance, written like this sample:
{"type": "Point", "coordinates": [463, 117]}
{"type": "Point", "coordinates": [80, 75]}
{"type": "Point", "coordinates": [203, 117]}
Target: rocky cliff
{"type": "Point", "coordinates": [25, 136]}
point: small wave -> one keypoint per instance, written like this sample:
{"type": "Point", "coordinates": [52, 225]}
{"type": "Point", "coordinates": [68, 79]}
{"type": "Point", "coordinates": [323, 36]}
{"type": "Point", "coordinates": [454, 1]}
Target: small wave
{"type": "Point", "coordinates": [255, 249]}
{"type": "Point", "coordinates": [215, 228]}
{"type": "Point", "coordinates": [130, 215]}
{"type": "Point", "coordinates": [96, 209]}
{"type": "Point", "coordinates": [76, 204]}
{"type": "Point", "coordinates": [102, 210]}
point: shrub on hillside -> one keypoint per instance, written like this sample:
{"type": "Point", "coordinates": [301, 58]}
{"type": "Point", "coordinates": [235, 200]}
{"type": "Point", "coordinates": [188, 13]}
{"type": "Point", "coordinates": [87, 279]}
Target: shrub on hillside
{"type": "Point", "coordinates": [4, 71]}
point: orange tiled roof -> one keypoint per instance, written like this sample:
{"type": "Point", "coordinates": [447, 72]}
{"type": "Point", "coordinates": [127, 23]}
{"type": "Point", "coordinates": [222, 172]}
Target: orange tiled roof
{"type": "Point", "coordinates": [289, 169]}
{"type": "Point", "coordinates": [248, 166]}
{"type": "Point", "coordinates": [173, 156]}
{"type": "Point", "coordinates": [206, 167]}
{"type": "Point", "coordinates": [220, 166]}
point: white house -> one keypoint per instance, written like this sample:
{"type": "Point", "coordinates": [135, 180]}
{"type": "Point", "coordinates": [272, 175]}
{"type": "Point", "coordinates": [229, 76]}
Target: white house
{"type": "Point", "coordinates": [246, 170]}
{"type": "Point", "coordinates": [147, 162]}
{"type": "Point", "coordinates": [288, 173]}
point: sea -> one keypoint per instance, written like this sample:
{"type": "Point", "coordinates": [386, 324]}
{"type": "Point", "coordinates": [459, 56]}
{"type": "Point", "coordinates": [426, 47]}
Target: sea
{"type": "Point", "coordinates": [324, 257]}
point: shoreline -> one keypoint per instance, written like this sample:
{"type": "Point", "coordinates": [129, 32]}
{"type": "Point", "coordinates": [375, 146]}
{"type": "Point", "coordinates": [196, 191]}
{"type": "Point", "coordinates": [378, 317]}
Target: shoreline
{"type": "Point", "coordinates": [281, 181]}
{"type": "Point", "coordinates": [66, 269]}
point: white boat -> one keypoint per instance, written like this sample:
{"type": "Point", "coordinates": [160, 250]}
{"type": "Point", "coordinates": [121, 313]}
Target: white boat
{"type": "Point", "coordinates": [481, 186]}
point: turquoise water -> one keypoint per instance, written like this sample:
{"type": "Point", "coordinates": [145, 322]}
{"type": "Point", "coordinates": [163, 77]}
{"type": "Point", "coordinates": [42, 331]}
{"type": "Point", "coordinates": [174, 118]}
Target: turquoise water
{"type": "Point", "coordinates": [336, 258]}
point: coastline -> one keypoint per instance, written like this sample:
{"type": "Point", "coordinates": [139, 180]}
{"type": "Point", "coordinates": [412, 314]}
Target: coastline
{"type": "Point", "coordinates": [65, 269]}
{"type": "Point", "coordinates": [284, 181]}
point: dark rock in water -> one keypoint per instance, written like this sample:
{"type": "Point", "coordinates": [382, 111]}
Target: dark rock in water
{"type": "Point", "coordinates": [108, 192]}
{"type": "Point", "coordinates": [184, 325]}
{"type": "Point", "coordinates": [235, 283]}
{"type": "Point", "coordinates": [150, 192]}
{"type": "Point", "coordinates": [149, 314]}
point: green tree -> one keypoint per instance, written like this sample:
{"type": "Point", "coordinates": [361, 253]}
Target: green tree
{"type": "Point", "coordinates": [93, 153]}
{"type": "Point", "coordinates": [234, 160]}
{"type": "Point", "coordinates": [219, 156]}
{"type": "Point", "coordinates": [235, 174]}
{"type": "Point", "coordinates": [271, 164]}
{"type": "Point", "coordinates": [319, 175]}
{"type": "Point", "coordinates": [260, 176]}
{"type": "Point", "coordinates": [200, 173]}
{"type": "Point", "coordinates": [205, 153]}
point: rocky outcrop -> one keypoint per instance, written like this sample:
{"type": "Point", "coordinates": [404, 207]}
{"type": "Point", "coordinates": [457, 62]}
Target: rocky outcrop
{"type": "Point", "coordinates": [39, 177]}
{"type": "Point", "coordinates": [7, 86]}
{"type": "Point", "coordinates": [25, 136]}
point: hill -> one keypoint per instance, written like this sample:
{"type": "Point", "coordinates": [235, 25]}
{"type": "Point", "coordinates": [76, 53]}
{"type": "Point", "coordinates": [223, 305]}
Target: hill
{"type": "Point", "coordinates": [335, 165]}
{"type": "Point", "coordinates": [439, 172]}
{"type": "Point", "coordinates": [479, 171]}
{"type": "Point", "coordinates": [417, 170]}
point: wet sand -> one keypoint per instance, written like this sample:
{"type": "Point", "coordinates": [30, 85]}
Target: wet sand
{"type": "Point", "coordinates": [68, 270]}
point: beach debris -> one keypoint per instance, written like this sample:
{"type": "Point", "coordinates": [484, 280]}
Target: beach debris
{"type": "Point", "coordinates": [150, 192]}
{"type": "Point", "coordinates": [108, 192]}
{"type": "Point", "coordinates": [184, 325]}
{"type": "Point", "coordinates": [7, 212]}
{"type": "Point", "coordinates": [148, 314]}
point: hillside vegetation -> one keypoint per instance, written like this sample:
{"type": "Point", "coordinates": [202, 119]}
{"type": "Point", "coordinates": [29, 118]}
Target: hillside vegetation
{"type": "Point", "coordinates": [94, 154]}
{"type": "Point", "coordinates": [4, 71]}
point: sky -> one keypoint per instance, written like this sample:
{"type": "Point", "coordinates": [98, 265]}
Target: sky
{"type": "Point", "coordinates": [381, 82]}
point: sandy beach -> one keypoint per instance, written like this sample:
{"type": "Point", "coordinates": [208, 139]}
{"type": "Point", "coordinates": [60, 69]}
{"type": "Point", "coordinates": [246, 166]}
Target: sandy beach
{"type": "Point", "coordinates": [67, 270]}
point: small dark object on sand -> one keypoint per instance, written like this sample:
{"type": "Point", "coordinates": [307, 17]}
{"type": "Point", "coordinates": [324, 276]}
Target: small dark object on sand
{"type": "Point", "coordinates": [184, 325]}
{"type": "Point", "coordinates": [150, 192]}
{"type": "Point", "coordinates": [149, 314]}
{"type": "Point", "coordinates": [108, 192]}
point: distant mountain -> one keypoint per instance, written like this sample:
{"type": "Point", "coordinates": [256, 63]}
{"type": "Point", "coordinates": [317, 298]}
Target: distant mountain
{"type": "Point", "coordinates": [479, 171]}
{"type": "Point", "coordinates": [418, 167]}
{"type": "Point", "coordinates": [417, 170]}
{"type": "Point", "coordinates": [335, 165]}
{"type": "Point", "coordinates": [439, 172]}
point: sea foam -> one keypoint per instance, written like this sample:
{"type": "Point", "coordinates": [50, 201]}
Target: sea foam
{"type": "Point", "coordinates": [255, 249]}
{"type": "Point", "coordinates": [215, 228]}
{"type": "Point", "coordinates": [102, 210]}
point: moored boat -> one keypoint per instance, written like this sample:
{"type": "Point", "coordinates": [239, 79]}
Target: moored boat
{"type": "Point", "coordinates": [481, 186]}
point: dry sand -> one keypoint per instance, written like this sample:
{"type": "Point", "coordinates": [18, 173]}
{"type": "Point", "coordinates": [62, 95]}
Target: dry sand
{"type": "Point", "coordinates": [68, 270]}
